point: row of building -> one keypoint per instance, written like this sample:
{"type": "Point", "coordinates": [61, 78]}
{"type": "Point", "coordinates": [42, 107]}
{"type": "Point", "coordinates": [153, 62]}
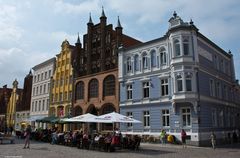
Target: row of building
{"type": "Point", "coordinates": [179, 81]}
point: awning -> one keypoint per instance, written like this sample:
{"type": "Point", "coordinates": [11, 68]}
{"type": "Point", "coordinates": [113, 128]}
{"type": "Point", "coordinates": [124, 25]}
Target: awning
{"type": "Point", "coordinates": [46, 119]}
{"type": "Point", "coordinates": [35, 117]}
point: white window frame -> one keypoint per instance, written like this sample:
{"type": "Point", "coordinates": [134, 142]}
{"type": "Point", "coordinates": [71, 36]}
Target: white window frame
{"type": "Point", "coordinates": [186, 43]}
{"type": "Point", "coordinates": [163, 56]}
{"type": "Point", "coordinates": [165, 116]}
{"type": "Point", "coordinates": [179, 78]}
{"type": "Point", "coordinates": [186, 114]}
{"type": "Point", "coordinates": [188, 77]}
{"type": "Point", "coordinates": [129, 114]}
{"type": "Point", "coordinates": [164, 86]}
{"type": "Point", "coordinates": [129, 91]}
{"type": "Point", "coordinates": [129, 65]}
{"type": "Point", "coordinates": [177, 42]}
{"type": "Point", "coordinates": [146, 86]}
{"type": "Point", "coordinates": [146, 119]}
{"type": "Point", "coordinates": [212, 87]}
{"type": "Point", "coordinates": [145, 61]}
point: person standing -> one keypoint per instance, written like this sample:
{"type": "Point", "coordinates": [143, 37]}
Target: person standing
{"type": "Point", "coordinates": [213, 140]}
{"type": "Point", "coordinates": [27, 137]}
{"type": "Point", "coordinates": [183, 137]}
{"type": "Point", "coordinates": [163, 136]}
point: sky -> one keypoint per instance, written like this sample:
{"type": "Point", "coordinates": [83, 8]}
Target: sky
{"type": "Point", "coordinates": [32, 31]}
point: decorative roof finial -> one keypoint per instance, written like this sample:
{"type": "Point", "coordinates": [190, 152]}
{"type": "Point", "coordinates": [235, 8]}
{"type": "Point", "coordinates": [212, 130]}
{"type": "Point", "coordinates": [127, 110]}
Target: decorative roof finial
{"type": "Point", "coordinates": [78, 39]}
{"type": "Point", "coordinates": [118, 23]}
{"type": "Point", "coordinates": [229, 51]}
{"type": "Point", "coordinates": [191, 22]}
{"type": "Point", "coordinates": [103, 14]}
{"type": "Point", "coordinates": [174, 14]}
{"type": "Point", "coordinates": [90, 19]}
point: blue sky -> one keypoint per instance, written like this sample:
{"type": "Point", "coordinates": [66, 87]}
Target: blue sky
{"type": "Point", "coordinates": [32, 31]}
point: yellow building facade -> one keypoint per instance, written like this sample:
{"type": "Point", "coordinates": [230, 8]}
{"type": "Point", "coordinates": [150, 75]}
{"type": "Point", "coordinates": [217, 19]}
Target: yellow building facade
{"type": "Point", "coordinates": [11, 107]}
{"type": "Point", "coordinates": [61, 96]}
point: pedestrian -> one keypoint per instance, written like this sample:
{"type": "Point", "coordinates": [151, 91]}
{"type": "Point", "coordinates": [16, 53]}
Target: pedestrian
{"type": "Point", "coordinates": [27, 134]}
{"type": "Point", "coordinates": [163, 136]}
{"type": "Point", "coordinates": [213, 140]}
{"type": "Point", "coordinates": [183, 137]}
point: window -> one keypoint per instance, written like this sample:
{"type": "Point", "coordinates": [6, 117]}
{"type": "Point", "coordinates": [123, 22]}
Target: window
{"type": "Point", "coordinates": [188, 82]}
{"type": "Point", "coordinates": [47, 106]}
{"type": "Point", "coordinates": [109, 86]}
{"type": "Point", "coordinates": [222, 66]}
{"type": "Point", "coordinates": [93, 88]}
{"type": "Point", "coordinates": [186, 47]}
{"type": "Point", "coordinates": [129, 65]}
{"type": "Point", "coordinates": [49, 73]}
{"type": "Point", "coordinates": [35, 106]}
{"type": "Point", "coordinates": [44, 88]}
{"type": "Point", "coordinates": [153, 58]}
{"type": "Point", "coordinates": [145, 61]}
{"type": "Point", "coordinates": [129, 114]}
{"type": "Point", "coordinates": [41, 89]}
{"type": "Point", "coordinates": [163, 59]}
{"type": "Point", "coordinates": [145, 89]}
{"type": "Point", "coordinates": [221, 122]}
{"type": "Point", "coordinates": [179, 83]}
{"type": "Point", "coordinates": [216, 63]}
{"type": "Point", "coordinates": [43, 105]}
{"type": "Point", "coordinates": [35, 78]}
{"type": "Point", "coordinates": [211, 87]}
{"type": "Point", "coordinates": [225, 92]}
{"type": "Point", "coordinates": [80, 90]}
{"type": "Point", "coordinates": [129, 92]}
{"type": "Point", "coordinates": [217, 86]}
{"type": "Point", "coordinates": [33, 91]}
{"type": "Point", "coordinates": [146, 119]}
{"type": "Point", "coordinates": [214, 117]}
{"type": "Point", "coordinates": [61, 96]}
{"type": "Point", "coordinates": [177, 48]}
{"type": "Point", "coordinates": [186, 117]}
{"type": "Point", "coordinates": [165, 118]}
{"type": "Point", "coordinates": [32, 106]}
{"type": "Point", "coordinates": [48, 89]}
{"type": "Point", "coordinates": [41, 76]}
{"type": "Point", "coordinates": [164, 87]}
{"type": "Point", "coordinates": [45, 76]}
{"type": "Point", "coordinates": [65, 96]}
{"type": "Point", "coordinates": [136, 63]}
{"type": "Point", "coordinates": [38, 77]}
{"type": "Point", "coordinates": [37, 91]}
{"type": "Point", "coordinates": [39, 105]}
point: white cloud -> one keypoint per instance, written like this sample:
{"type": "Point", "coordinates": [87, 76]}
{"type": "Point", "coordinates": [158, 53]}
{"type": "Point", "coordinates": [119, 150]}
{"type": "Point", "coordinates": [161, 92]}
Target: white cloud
{"type": "Point", "coordinates": [9, 31]}
{"type": "Point", "coordinates": [69, 8]}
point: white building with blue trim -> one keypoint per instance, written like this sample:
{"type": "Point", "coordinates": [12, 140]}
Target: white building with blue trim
{"type": "Point", "coordinates": [179, 81]}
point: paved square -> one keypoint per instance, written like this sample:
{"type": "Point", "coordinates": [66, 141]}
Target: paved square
{"type": "Point", "coordinates": [46, 150]}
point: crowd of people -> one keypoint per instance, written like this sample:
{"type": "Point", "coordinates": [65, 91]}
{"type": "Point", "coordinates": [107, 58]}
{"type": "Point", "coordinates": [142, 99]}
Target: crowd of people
{"type": "Point", "coordinates": [108, 142]}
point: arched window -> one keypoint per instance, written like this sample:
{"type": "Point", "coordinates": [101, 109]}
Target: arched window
{"type": "Point", "coordinates": [185, 47]}
{"type": "Point", "coordinates": [153, 58]}
{"type": "Point", "coordinates": [79, 90]}
{"type": "Point", "coordinates": [129, 65]}
{"type": "Point", "coordinates": [163, 58]}
{"type": "Point", "coordinates": [177, 47]}
{"type": "Point", "coordinates": [136, 62]}
{"type": "Point", "coordinates": [108, 108]}
{"type": "Point", "coordinates": [145, 60]}
{"type": "Point", "coordinates": [109, 86]}
{"type": "Point", "coordinates": [93, 88]}
{"type": "Point", "coordinates": [77, 111]}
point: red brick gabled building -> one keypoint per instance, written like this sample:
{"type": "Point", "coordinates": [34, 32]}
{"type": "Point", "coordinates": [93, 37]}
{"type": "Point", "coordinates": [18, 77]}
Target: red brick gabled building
{"type": "Point", "coordinates": [95, 69]}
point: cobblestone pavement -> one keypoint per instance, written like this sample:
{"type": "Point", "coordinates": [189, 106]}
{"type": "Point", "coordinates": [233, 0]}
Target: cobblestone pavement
{"type": "Point", "coordinates": [46, 150]}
